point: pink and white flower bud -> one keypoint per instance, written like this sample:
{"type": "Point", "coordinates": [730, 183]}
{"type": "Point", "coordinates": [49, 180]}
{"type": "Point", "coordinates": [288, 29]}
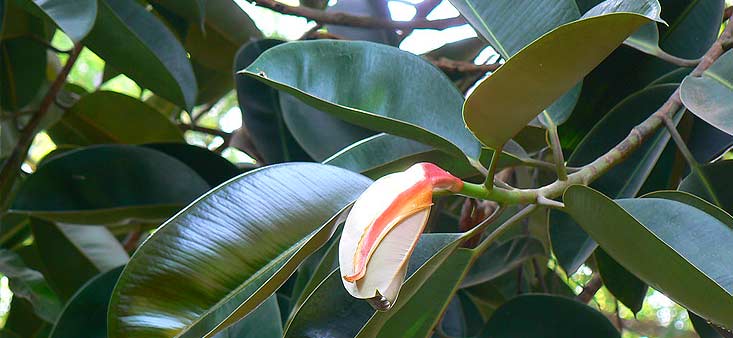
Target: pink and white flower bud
{"type": "Point", "coordinates": [383, 227]}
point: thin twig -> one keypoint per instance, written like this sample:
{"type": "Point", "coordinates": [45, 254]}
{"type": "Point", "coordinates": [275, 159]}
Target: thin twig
{"type": "Point", "coordinates": [215, 132]}
{"type": "Point", "coordinates": [11, 167]}
{"type": "Point", "coordinates": [590, 289]}
{"type": "Point", "coordinates": [556, 146]}
{"type": "Point", "coordinates": [421, 12]}
{"type": "Point", "coordinates": [344, 19]}
{"type": "Point", "coordinates": [455, 66]}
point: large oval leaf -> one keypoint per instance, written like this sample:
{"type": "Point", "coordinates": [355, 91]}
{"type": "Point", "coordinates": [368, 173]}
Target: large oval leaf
{"type": "Point", "coordinates": [74, 17]}
{"type": "Point", "coordinates": [502, 104]}
{"type": "Point", "coordinates": [213, 168]}
{"type": "Point", "coordinates": [650, 237]}
{"type": "Point", "coordinates": [141, 46]}
{"type": "Point", "coordinates": [570, 243]}
{"type": "Point", "coordinates": [109, 117]}
{"type": "Point", "coordinates": [383, 154]}
{"type": "Point", "coordinates": [713, 186]}
{"type": "Point", "coordinates": [30, 285]}
{"type": "Point", "coordinates": [548, 317]}
{"type": "Point", "coordinates": [710, 96]}
{"type": "Point", "coordinates": [85, 315]}
{"type": "Point", "coordinates": [261, 113]}
{"type": "Point", "coordinates": [109, 184]}
{"type": "Point", "coordinates": [87, 250]}
{"type": "Point", "coordinates": [329, 310]}
{"type": "Point", "coordinates": [22, 72]}
{"type": "Point", "coordinates": [230, 250]}
{"type": "Point", "coordinates": [431, 117]}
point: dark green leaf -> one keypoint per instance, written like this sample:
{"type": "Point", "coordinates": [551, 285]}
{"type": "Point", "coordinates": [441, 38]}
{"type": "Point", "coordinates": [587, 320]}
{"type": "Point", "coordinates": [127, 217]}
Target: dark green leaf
{"type": "Point", "coordinates": [307, 125]}
{"type": "Point", "coordinates": [330, 311]}
{"type": "Point", "coordinates": [704, 328]}
{"type": "Point", "coordinates": [421, 313]}
{"type": "Point", "coordinates": [626, 287]}
{"type": "Point", "coordinates": [263, 322]}
{"type": "Point", "coordinates": [214, 44]}
{"type": "Point", "coordinates": [710, 96]}
{"type": "Point", "coordinates": [571, 244]}
{"type": "Point", "coordinates": [22, 322]}
{"type": "Point", "coordinates": [548, 317]}
{"type": "Point", "coordinates": [85, 315]}
{"type": "Point", "coordinates": [502, 22]}
{"type": "Point", "coordinates": [109, 184]}
{"type": "Point", "coordinates": [261, 111]}
{"type": "Point", "coordinates": [431, 117]}
{"type": "Point", "coordinates": [209, 165]}
{"type": "Point", "coordinates": [239, 243]}
{"type": "Point", "coordinates": [713, 187]}
{"type": "Point", "coordinates": [695, 274]}
{"type": "Point", "coordinates": [74, 17]}
{"type": "Point", "coordinates": [109, 117]}
{"type": "Point", "coordinates": [139, 45]}
{"type": "Point", "coordinates": [191, 10]}
{"type": "Point", "coordinates": [693, 26]}
{"type": "Point", "coordinates": [22, 72]}
{"type": "Point", "coordinates": [501, 258]}
{"type": "Point", "coordinates": [88, 250]}
{"type": "Point", "coordinates": [29, 285]}
{"type": "Point", "coordinates": [519, 86]}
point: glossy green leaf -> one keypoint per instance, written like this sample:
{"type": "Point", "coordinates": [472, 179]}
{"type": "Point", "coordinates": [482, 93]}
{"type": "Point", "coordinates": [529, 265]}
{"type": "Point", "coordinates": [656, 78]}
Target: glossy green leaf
{"type": "Point", "coordinates": [696, 273]}
{"type": "Point", "coordinates": [139, 45]}
{"type": "Point", "coordinates": [88, 250]}
{"type": "Point", "coordinates": [85, 315]}
{"type": "Point", "coordinates": [191, 10]}
{"type": "Point", "coordinates": [330, 311]}
{"type": "Point", "coordinates": [262, 322]}
{"type": "Point", "coordinates": [462, 318]}
{"type": "Point", "coordinates": [421, 313]}
{"type": "Point", "coordinates": [501, 258]}
{"type": "Point", "coordinates": [213, 168]}
{"type": "Point", "coordinates": [30, 285]}
{"type": "Point", "coordinates": [519, 86]}
{"type": "Point", "coordinates": [109, 117]}
{"type": "Point", "coordinates": [710, 96]}
{"type": "Point", "coordinates": [431, 117]}
{"type": "Point", "coordinates": [326, 260]}
{"type": "Point", "coordinates": [307, 125]}
{"type": "Point", "coordinates": [548, 317]}
{"type": "Point", "coordinates": [227, 27]}
{"type": "Point", "coordinates": [704, 328]}
{"type": "Point", "coordinates": [502, 22]}
{"type": "Point", "coordinates": [267, 221]}
{"type": "Point", "coordinates": [74, 17]}
{"type": "Point", "coordinates": [570, 243]}
{"type": "Point", "coordinates": [693, 26]}
{"type": "Point", "coordinates": [383, 154]}
{"type": "Point", "coordinates": [627, 288]}
{"type": "Point", "coordinates": [693, 200]}
{"type": "Point", "coordinates": [261, 111]}
{"type": "Point", "coordinates": [22, 72]}
{"type": "Point", "coordinates": [109, 184]}
{"type": "Point", "coordinates": [713, 187]}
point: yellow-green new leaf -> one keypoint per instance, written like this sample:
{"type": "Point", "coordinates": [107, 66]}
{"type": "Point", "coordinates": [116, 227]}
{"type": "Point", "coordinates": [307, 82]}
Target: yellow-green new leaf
{"type": "Point", "coordinates": [534, 78]}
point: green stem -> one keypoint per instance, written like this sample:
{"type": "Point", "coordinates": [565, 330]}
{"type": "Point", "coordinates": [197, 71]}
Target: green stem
{"type": "Point", "coordinates": [489, 182]}
{"type": "Point", "coordinates": [522, 214]}
{"type": "Point", "coordinates": [562, 172]}
{"type": "Point", "coordinates": [691, 160]}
